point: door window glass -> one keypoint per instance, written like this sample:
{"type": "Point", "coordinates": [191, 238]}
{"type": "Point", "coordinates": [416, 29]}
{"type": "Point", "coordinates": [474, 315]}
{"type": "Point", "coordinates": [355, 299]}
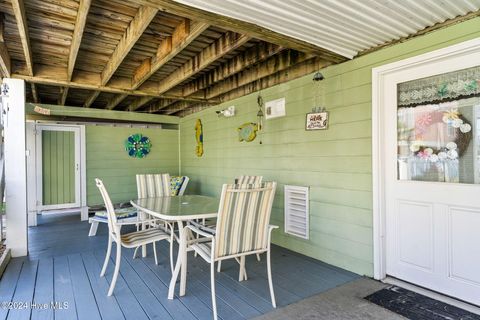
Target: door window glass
{"type": "Point", "coordinates": [438, 127]}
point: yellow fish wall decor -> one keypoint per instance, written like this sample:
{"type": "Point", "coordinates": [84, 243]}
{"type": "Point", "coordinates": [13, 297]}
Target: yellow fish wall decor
{"type": "Point", "coordinates": [247, 132]}
{"type": "Point", "coordinates": [199, 137]}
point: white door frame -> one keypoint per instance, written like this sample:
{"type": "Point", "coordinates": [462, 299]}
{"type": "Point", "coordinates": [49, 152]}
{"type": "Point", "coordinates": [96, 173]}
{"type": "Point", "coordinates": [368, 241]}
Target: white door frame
{"type": "Point", "coordinates": [36, 167]}
{"type": "Point", "coordinates": [464, 55]}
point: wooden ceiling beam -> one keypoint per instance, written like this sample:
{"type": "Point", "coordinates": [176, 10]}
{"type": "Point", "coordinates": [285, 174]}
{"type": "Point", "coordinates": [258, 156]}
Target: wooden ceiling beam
{"type": "Point", "coordinates": [112, 104]}
{"type": "Point", "coordinates": [54, 76]}
{"type": "Point", "coordinates": [82, 13]}
{"type": "Point", "coordinates": [115, 101]}
{"type": "Point", "coordinates": [225, 44]}
{"type": "Point", "coordinates": [293, 72]}
{"type": "Point", "coordinates": [5, 63]}
{"type": "Point", "coordinates": [21, 20]}
{"type": "Point", "coordinates": [138, 103]}
{"type": "Point", "coordinates": [250, 57]}
{"type": "Point", "coordinates": [134, 31]}
{"type": "Point", "coordinates": [244, 27]}
{"type": "Point", "coordinates": [182, 36]}
{"type": "Point", "coordinates": [171, 46]}
{"type": "Point", "coordinates": [164, 103]}
{"type": "Point", "coordinates": [277, 63]}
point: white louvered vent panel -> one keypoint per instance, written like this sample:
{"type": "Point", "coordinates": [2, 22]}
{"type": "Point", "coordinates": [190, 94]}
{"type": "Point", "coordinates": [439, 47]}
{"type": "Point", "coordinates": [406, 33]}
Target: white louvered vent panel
{"type": "Point", "coordinates": [297, 211]}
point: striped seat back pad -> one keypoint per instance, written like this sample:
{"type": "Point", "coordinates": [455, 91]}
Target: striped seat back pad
{"type": "Point", "coordinates": [153, 185]}
{"type": "Point", "coordinates": [243, 218]}
{"type": "Point", "coordinates": [249, 180]}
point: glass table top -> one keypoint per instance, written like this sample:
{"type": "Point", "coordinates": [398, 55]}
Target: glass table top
{"type": "Point", "coordinates": [179, 207]}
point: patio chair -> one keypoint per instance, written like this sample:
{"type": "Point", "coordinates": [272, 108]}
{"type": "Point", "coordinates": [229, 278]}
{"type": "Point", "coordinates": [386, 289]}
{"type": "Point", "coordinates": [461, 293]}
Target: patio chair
{"type": "Point", "coordinates": [127, 240]}
{"type": "Point", "coordinates": [159, 185]}
{"type": "Point", "coordinates": [177, 186]}
{"type": "Point", "coordinates": [255, 180]}
{"type": "Point", "coordinates": [242, 229]}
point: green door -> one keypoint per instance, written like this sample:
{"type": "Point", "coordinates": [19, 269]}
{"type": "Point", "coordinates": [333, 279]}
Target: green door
{"type": "Point", "coordinates": [58, 167]}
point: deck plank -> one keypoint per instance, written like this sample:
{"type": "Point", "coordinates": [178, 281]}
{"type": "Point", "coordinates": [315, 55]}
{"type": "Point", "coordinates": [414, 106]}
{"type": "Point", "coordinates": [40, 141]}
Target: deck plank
{"type": "Point", "coordinates": [24, 291]}
{"type": "Point", "coordinates": [70, 262]}
{"type": "Point", "coordinates": [174, 307]}
{"type": "Point", "coordinates": [108, 306]}
{"type": "Point", "coordinates": [8, 284]}
{"type": "Point", "coordinates": [195, 305]}
{"type": "Point", "coordinates": [63, 289]}
{"type": "Point", "coordinates": [152, 307]}
{"type": "Point", "coordinates": [83, 292]}
{"type": "Point", "coordinates": [44, 290]}
{"type": "Point", "coordinates": [131, 308]}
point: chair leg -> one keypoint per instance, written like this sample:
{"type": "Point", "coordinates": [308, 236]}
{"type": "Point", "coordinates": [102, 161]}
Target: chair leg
{"type": "Point", "coordinates": [258, 256]}
{"type": "Point", "coordinates": [107, 257]}
{"type": "Point", "coordinates": [270, 284]}
{"type": "Point", "coordinates": [242, 275]}
{"type": "Point", "coordinates": [93, 228]}
{"type": "Point", "coordinates": [171, 251]}
{"type": "Point", "coordinates": [135, 252]}
{"type": "Point", "coordinates": [219, 266]}
{"type": "Point", "coordinates": [212, 284]}
{"type": "Point", "coordinates": [155, 252]}
{"type": "Point", "coordinates": [118, 259]}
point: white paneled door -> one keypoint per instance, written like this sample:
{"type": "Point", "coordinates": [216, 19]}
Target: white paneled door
{"type": "Point", "coordinates": [430, 149]}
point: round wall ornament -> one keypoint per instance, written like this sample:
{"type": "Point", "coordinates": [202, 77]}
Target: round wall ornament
{"type": "Point", "coordinates": [137, 145]}
{"type": "Point", "coordinates": [247, 132]}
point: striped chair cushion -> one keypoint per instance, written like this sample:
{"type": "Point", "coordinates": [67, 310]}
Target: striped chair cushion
{"type": "Point", "coordinates": [153, 185]}
{"type": "Point", "coordinates": [176, 184]}
{"type": "Point", "coordinates": [122, 213]}
{"type": "Point", "coordinates": [135, 239]}
{"type": "Point", "coordinates": [243, 218]}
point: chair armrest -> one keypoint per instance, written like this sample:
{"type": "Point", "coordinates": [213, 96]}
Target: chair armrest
{"type": "Point", "coordinates": [200, 232]}
{"type": "Point", "coordinates": [136, 222]}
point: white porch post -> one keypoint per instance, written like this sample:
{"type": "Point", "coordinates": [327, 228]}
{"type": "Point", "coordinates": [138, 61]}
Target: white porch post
{"type": "Point", "coordinates": [15, 167]}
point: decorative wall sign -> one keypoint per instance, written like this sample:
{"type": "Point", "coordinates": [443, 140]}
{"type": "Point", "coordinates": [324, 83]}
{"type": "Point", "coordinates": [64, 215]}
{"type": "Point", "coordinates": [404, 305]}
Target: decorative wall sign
{"type": "Point", "coordinates": [317, 121]}
{"type": "Point", "coordinates": [199, 137]}
{"type": "Point", "coordinates": [275, 108]}
{"type": "Point", "coordinates": [137, 145]}
{"type": "Point", "coordinates": [247, 132]}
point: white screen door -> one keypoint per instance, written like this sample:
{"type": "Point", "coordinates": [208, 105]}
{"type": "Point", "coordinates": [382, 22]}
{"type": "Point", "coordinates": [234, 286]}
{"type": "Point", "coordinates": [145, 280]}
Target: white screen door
{"type": "Point", "coordinates": [431, 167]}
{"type": "Point", "coordinates": [58, 167]}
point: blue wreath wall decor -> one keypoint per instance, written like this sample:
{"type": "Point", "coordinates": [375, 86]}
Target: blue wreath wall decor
{"type": "Point", "coordinates": [137, 145]}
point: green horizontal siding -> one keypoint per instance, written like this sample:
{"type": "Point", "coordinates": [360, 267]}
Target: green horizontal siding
{"type": "Point", "coordinates": [335, 163]}
{"type": "Point", "coordinates": [108, 160]}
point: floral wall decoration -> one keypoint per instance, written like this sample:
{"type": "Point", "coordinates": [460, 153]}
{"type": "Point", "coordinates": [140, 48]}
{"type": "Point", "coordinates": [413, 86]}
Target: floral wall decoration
{"type": "Point", "coordinates": [199, 138]}
{"type": "Point", "coordinates": [138, 146]}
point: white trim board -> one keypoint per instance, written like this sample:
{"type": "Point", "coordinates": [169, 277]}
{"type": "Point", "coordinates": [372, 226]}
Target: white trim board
{"type": "Point", "coordinates": [36, 164]}
{"type": "Point", "coordinates": [456, 57]}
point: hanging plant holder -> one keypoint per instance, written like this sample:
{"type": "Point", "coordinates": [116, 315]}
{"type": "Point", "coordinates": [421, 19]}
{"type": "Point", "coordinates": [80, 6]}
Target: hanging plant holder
{"type": "Point", "coordinates": [138, 146]}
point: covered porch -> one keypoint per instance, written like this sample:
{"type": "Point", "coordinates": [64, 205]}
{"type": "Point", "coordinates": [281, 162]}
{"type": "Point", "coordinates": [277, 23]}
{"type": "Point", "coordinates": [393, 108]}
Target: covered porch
{"type": "Point", "coordinates": [341, 139]}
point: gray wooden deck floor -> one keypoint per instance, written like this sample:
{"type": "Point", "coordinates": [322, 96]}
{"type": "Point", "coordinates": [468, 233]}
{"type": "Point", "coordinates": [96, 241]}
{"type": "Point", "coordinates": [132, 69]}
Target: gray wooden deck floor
{"type": "Point", "coordinates": [64, 266]}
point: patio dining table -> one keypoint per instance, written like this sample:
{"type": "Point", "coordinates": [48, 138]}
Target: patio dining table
{"type": "Point", "coordinates": [179, 209]}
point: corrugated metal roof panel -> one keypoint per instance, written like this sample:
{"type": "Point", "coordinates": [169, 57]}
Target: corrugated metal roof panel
{"type": "Point", "coordinates": [346, 27]}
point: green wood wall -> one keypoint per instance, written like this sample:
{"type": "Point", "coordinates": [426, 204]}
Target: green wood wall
{"type": "Point", "coordinates": [108, 160]}
{"type": "Point", "coordinates": [335, 163]}
{"type": "Point", "coordinates": [58, 167]}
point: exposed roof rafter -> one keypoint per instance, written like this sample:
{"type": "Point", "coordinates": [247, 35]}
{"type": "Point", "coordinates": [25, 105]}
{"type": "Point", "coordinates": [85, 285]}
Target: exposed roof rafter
{"type": "Point", "coordinates": [83, 8]}
{"type": "Point", "coordinates": [134, 31]}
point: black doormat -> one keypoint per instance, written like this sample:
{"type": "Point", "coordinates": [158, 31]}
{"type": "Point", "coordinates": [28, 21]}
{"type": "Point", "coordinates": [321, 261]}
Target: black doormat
{"type": "Point", "coordinates": [416, 306]}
